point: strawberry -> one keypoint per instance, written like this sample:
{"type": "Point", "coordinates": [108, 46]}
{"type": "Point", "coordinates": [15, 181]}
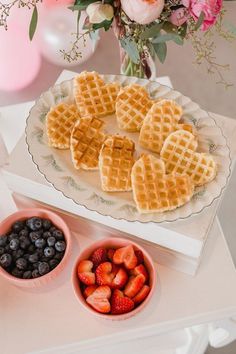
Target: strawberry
{"type": "Point", "coordinates": [120, 303]}
{"type": "Point", "coordinates": [110, 254]}
{"type": "Point", "coordinates": [134, 285]}
{"type": "Point", "coordinates": [85, 274]}
{"type": "Point", "coordinates": [125, 255]}
{"type": "Point", "coordinates": [89, 290]}
{"type": "Point", "coordinates": [120, 279]}
{"type": "Point", "coordinates": [104, 274]}
{"type": "Point", "coordinates": [99, 299]}
{"type": "Point", "coordinates": [140, 269]}
{"type": "Point", "coordinates": [139, 255]}
{"type": "Point", "coordinates": [99, 256]}
{"type": "Point", "coordinates": [142, 294]}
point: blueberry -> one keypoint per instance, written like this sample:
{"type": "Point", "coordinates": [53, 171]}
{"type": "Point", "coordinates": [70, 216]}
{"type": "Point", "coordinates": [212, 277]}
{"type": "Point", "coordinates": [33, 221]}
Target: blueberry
{"type": "Point", "coordinates": [27, 274]}
{"type": "Point", "coordinates": [51, 241]}
{"type": "Point", "coordinates": [12, 236]}
{"type": "Point", "coordinates": [60, 246]}
{"type": "Point", "coordinates": [17, 273]}
{"type": "Point", "coordinates": [35, 265]}
{"type": "Point", "coordinates": [40, 243]}
{"type": "Point", "coordinates": [14, 244]}
{"type": "Point", "coordinates": [24, 232]}
{"type": "Point", "coordinates": [53, 228]}
{"type": "Point", "coordinates": [39, 252]}
{"type": "Point", "coordinates": [24, 242]}
{"type": "Point", "coordinates": [59, 255]}
{"type": "Point", "coordinates": [34, 235]}
{"type": "Point", "coordinates": [49, 252]}
{"type": "Point", "coordinates": [43, 268]}
{"type": "Point", "coordinates": [2, 250]}
{"type": "Point", "coordinates": [46, 224]}
{"type": "Point", "coordinates": [3, 240]}
{"type": "Point", "coordinates": [7, 249]}
{"type": "Point", "coordinates": [33, 258]}
{"type": "Point", "coordinates": [16, 255]}
{"type": "Point", "coordinates": [26, 256]}
{"type": "Point", "coordinates": [18, 226]}
{"type": "Point", "coordinates": [47, 234]}
{"type": "Point", "coordinates": [5, 260]}
{"type": "Point", "coordinates": [35, 273]}
{"type": "Point", "coordinates": [58, 234]}
{"type": "Point", "coordinates": [53, 263]}
{"type": "Point", "coordinates": [21, 263]}
{"type": "Point", "coordinates": [34, 223]}
{"type": "Point", "coordinates": [31, 249]}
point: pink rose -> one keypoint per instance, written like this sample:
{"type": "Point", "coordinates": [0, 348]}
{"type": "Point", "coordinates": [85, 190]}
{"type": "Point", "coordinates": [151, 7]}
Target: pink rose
{"type": "Point", "coordinates": [210, 8]}
{"type": "Point", "coordinates": [143, 11]}
{"type": "Point", "coordinates": [179, 16]}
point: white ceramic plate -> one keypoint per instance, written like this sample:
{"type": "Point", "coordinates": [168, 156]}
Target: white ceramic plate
{"type": "Point", "coordinates": [83, 187]}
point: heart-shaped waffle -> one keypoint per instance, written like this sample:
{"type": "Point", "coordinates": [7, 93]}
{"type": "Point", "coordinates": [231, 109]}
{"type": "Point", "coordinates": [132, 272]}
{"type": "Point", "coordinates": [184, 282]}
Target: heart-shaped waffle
{"type": "Point", "coordinates": [59, 124]}
{"type": "Point", "coordinates": [180, 156]}
{"type": "Point", "coordinates": [86, 142]}
{"type": "Point", "coordinates": [93, 96]}
{"type": "Point", "coordinates": [154, 190]}
{"type": "Point", "coordinates": [161, 120]}
{"type": "Point", "coordinates": [115, 163]}
{"type": "Point", "coordinates": [133, 103]}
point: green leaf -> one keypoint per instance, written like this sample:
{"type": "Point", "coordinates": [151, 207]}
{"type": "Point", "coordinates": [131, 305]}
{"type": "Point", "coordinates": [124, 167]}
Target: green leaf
{"type": "Point", "coordinates": [104, 24]}
{"type": "Point", "coordinates": [183, 30]}
{"type": "Point", "coordinates": [199, 21]}
{"type": "Point", "coordinates": [151, 31]}
{"type": "Point", "coordinates": [169, 27]}
{"type": "Point", "coordinates": [131, 49]}
{"type": "Point", "coordinates": [168, 37]}
{"type": "Point", "coordinates": [33, 23]}
{"type": "Point", "coordinates": [230, 27]}
{"type": "Point", "coordinates": [160, 50]}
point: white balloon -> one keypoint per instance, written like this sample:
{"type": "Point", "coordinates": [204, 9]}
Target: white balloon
{"type": "Point", "coordinates": [55, 32]}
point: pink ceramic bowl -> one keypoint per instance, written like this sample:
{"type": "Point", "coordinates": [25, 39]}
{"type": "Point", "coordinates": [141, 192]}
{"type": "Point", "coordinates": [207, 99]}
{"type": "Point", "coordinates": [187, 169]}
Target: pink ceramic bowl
{"type": "Point", "coordinates": [5, 226]}
{"type": "Point", "coordinates": [114, 243]}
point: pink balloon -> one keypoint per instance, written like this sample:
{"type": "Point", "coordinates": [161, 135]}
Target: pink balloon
{"type": "Point", "coordinates": [19, 58]}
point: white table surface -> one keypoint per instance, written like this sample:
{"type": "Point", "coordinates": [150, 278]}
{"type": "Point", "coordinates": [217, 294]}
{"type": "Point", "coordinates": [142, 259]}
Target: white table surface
{"type": "Point", "coordinates": [52, 316]}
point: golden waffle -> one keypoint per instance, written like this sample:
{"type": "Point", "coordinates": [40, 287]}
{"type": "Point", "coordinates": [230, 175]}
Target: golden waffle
{"type": "Point", "coordinates": [115, 163]}
{"type": "Point", "coordinates": [180, 156]}
{"type": "Point", "coordinates": [154, 191]}
{"type": "Point", "coordinates": [59, 123]}
{"type": "Point", "coordinates": [86, 142]}
{"type": "Point", "coordinates": [93, 96]}
{"type": "Point", "coordinates": [132, 105]}
{"type": "Point", "coordinates": [161, 120]}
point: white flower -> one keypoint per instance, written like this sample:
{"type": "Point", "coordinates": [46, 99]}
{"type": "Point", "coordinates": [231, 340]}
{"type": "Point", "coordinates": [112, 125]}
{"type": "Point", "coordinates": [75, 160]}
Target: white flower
{"type": "Point", "coordinates": [99, 12]}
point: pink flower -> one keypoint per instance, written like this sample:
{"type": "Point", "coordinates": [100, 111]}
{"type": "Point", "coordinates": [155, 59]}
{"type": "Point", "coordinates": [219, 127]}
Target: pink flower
{"type": "Point", "coordinates": [142, 11]}
{"type": "Point", "coordinates": [179, 16]}
{"type": "Point", "coordinates": [210, 8]}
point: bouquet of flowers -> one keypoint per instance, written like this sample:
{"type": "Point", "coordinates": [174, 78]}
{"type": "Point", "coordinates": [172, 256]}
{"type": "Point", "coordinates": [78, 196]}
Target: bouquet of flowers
{"type": "Point", "coordinates": [144, 28]}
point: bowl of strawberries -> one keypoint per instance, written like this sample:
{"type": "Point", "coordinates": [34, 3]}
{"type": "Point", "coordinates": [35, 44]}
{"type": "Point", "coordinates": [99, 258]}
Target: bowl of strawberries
{"type": "Point", "coordinates": [114, 278]}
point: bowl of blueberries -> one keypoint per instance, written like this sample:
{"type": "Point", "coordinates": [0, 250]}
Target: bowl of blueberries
{"type": "Point", "coordinates": [35, 245]}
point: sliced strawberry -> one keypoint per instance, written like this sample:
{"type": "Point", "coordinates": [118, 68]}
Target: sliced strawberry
{"type": "Point", "coordinates": [125, 255]}
{"type": "Point", "coordinates": [140, 269]}
{"type": "Point", "coordinates": [120, 279]}
{"type": "Point", "coordinates": [89, 290]}
{"type": "Point", "coordinates": [142, 294]}
{"type": "Point", "coordinates": [99, 299]}
{"type": "Point", "coordinates": [134, 285]}
{"type": "Point", "coordinates": [110, 254]}
{"type": "Point", "coordinates": [120, 303]}
{"type": "Point", "coordinates": [104, 274]}
{"type": "Point", "coordinates": [139, 255]}
{"type": "Point", "coordinates": [99, 256]}
{"type": "Point", "coordinates": [85, 274]}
